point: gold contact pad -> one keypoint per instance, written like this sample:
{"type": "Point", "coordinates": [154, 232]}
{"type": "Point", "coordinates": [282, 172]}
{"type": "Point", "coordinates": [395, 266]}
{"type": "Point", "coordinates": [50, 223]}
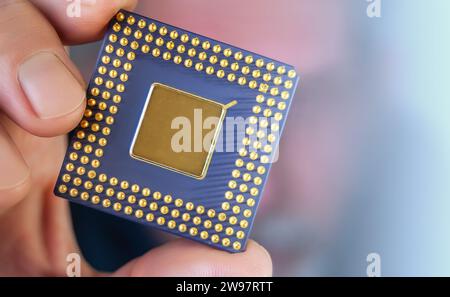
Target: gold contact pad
{"type": "Point", "coordinates": [153, 140]}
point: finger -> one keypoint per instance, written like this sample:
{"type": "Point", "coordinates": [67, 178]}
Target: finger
{"type": "Point", "coordinates": [44, 219]}
{"type": "Point", "coordinates": [40, 88]}
{"type": "Point", "coordinates": [187, 258]}
{"type": "Point", "coordinates": [14, 173]}
{"type": "Point", "coordinates": [81, 21]}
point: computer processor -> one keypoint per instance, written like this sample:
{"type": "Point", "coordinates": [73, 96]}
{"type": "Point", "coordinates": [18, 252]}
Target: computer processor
{"type": "Point", "coordinates": [179, 133]}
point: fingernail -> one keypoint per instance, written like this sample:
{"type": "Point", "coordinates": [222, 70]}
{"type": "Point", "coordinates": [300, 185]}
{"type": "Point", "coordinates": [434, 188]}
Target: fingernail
{"type": "Point", "coordinates": [51, 88]}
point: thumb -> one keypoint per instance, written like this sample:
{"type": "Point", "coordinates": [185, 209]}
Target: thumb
{"type": "Point", "coordinates": [183, 257]}
{"type": "Point", "coordinates": [40, 88]}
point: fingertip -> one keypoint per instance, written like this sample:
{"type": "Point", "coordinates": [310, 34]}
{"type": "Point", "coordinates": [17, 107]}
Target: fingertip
{"type": "Point", "coordinates": [55, 97]}
{"type": "Point", "coordinates": [41, 89]}
{"type": "Point", "coordinates": [51, 127]}
{"type": "Point", "coordinates": [13, 193]}
{"type": "Point", "coordinates": [60, 125]}
{"type": "Point", "coordinates": [14, 173]}
{"type": "Point", "coordinates": [187, 258]}
{"type": "Point", "coordinates": [264, 260]}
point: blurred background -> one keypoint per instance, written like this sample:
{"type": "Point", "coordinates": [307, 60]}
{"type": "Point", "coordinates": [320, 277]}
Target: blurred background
{"type": "Point", "coordinates": [364, 165]}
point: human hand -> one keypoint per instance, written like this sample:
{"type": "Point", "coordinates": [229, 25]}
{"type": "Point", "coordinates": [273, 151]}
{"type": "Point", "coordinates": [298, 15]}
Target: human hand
{"type": "Point", "coordinates": [41, 99]}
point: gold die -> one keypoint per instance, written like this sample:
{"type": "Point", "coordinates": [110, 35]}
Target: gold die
{"type": "Point", "coordinates": [153, 140]}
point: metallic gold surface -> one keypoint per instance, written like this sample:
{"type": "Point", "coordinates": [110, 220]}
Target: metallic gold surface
{"type": "Point", "coordinates": [153, 140]}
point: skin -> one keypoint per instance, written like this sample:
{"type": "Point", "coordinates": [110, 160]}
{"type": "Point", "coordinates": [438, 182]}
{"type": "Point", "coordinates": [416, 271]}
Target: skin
{"type": "Point", "coordinates": [35, 227]}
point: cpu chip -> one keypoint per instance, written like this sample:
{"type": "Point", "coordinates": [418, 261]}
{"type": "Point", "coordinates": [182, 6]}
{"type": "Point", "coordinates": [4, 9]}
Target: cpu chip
{"type": "Point", "coordinates": [179, 133]}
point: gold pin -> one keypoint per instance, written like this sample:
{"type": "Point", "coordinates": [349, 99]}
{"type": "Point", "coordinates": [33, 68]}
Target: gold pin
{"type": "Point", "coordinates": [120, 17]}
{"type": "Point", "coordinates": [174, 34]}
{"type": "Point", "coordinates": [142, 24]}
{"type": "Point", "coordinates": [152, 27]}
{"type": "Point", "coordinates": [163, 31]}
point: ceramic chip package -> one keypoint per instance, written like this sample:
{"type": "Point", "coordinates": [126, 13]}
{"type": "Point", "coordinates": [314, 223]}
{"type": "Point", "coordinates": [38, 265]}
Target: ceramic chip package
{"type": "Point", "coordinates": [121, 159]}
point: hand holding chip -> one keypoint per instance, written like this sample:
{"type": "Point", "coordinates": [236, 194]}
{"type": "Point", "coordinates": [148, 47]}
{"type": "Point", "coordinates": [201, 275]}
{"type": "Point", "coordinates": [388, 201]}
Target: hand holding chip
{"type": "Point", "coordinates": [41, 99]}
